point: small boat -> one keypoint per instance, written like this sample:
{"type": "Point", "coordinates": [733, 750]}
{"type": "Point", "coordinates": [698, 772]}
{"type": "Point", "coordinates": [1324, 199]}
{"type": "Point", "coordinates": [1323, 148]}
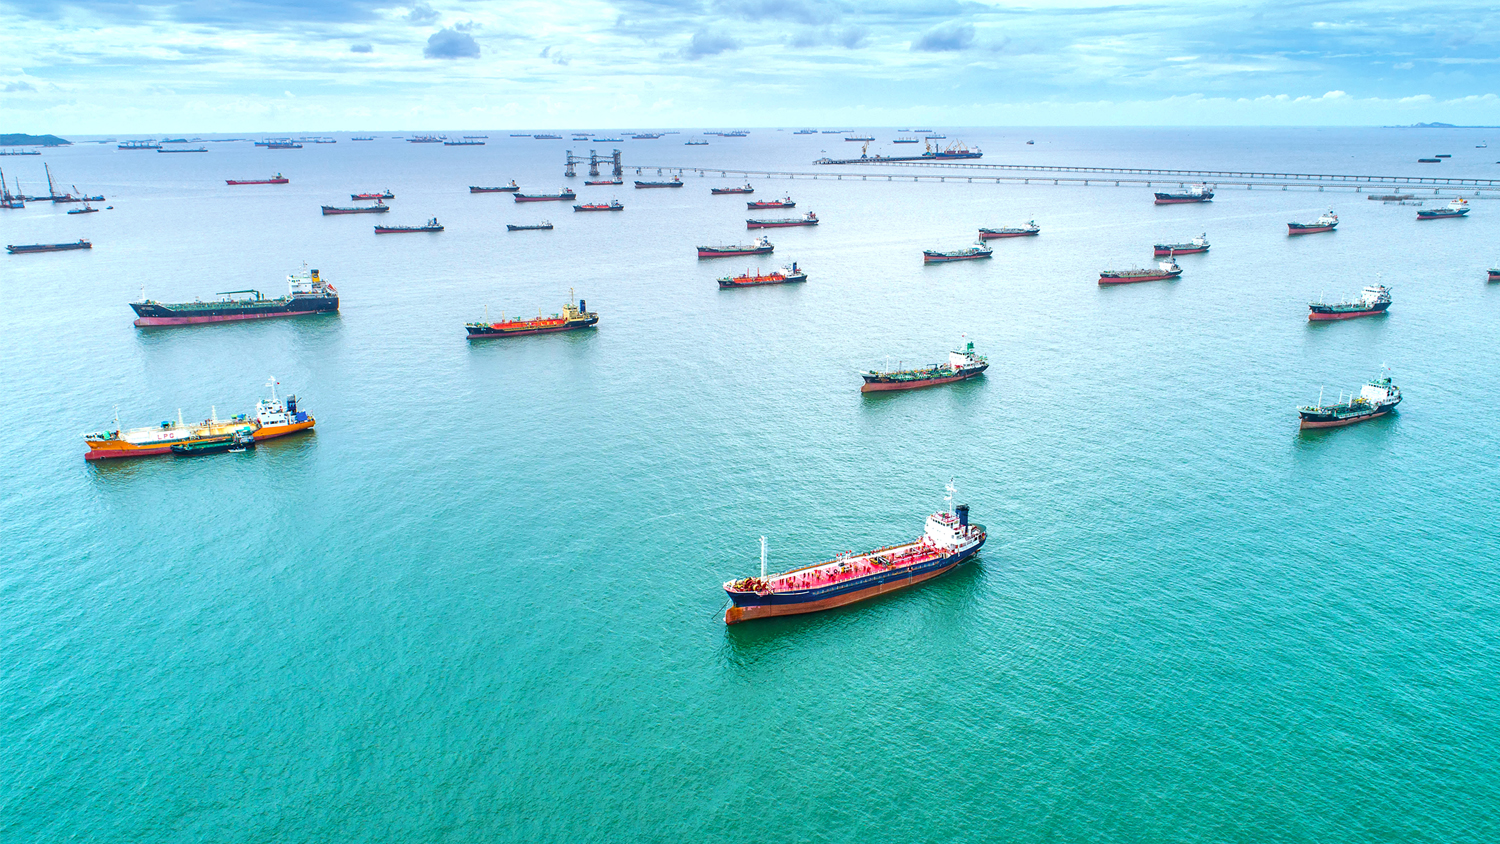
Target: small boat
{"type": "Point", "coordinates": [1326, 223]}
{"type": "Point", "coordinates": [476, 137]}
{"type": "Point", "coordinates": [386, 195]}
{"type": "Point", "coordinates": [194, 149]}
{"type": "Point", "coordinates": [695, 143]}
{"type": "Point", "coordinates": [1429, 161]}
{"type": "Point", "coordinates": [961, 366]}
{"type": "Point", "coordinates": [213, 444]}
{"type": "Point", "coordinates": [463, 143]}
{"type": "Point", "coordinates": [613, 205]}
{"type": "Point", "coordinates": [571, 319]}
{"type": "Point", "coordinates": [277, 179]}
{"type": "Point", "coordinates": [805, 132]}
{"type": "Point", "coordinates": [674, 182]}
{"type": "Point", "coordinates": [510, 188]}
{"type": "Point", "coordinates": [362, 139]}
{"type": "Point", "coordinates": [860, 138]}
{"type": "Point", "coordinates": [721, 191]}
{"type": "Point", "coordinates": [431, 225]}
{"type": "Point", "coordinates": [545, 137]}
{"type": "Point", "coordinates": [1031, 143]}
{"type": "Point", "coordinates": [139, 145]}
{"type": "Point", "coordinates": [86, 209]}
{"type": "Point", "coordinates": [1375, 299]}
{"type": "Point", "coordinates": [378, 208]}
{"type": "Point", "coordinates": [1031, 229]}
{"type": "Point", "coordinates": [1457, 208]}
{"type": "Point", "coordinates": [978, 250]}
{"type": "Point", "coordinates": [771, 203]}
{"type": "Point", "coordinates": [808, 219]}
{"type": "Point", "coordinates": [282, 145]}
{"type": "Point", "coordinates": [1197, 244]}
{"type": "Point", "coordinates": [786, 275]}
{"type": "Point", "coordinates": [597, 182]}
{"type": "Point", "coordinates": [1373, 401]}
{"type": "Point", "coordinates": [906, 140]}
{"type": "Point", "coordinates": [1196, 193]}
{"type": "Point", "coordinates": [424, 139]}
{"type": "Point", "coordinates": [48, 247]}
{"type": "Point", "coordinates": [1494, 274]}
{"type": "Point", "coordinates": [566, 194]}
{"type": "Point", "coordinates": [609, 140]}
{"type": "Point", "coordinates": [935, 137]}
{"type": "Point", "coordinates": [1164, 270]}
{"type": "Point", "coordinates": [1442, 155]}
{"type": "Point", "coordinates": [947, 541]}
{"type": "Point", "coordinates": [761, 246]}
{"type": "Point", "coordinates": [543, 226]}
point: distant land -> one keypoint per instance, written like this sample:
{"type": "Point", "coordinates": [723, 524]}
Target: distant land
{"type": "Point", "coordinates": [1438, 126]}
{"type": "Point", "coordinates": [19, 140]}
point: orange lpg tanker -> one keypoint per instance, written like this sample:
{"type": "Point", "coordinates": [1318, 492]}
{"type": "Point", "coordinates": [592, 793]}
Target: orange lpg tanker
{"type": "Point", "coordinates": [273, 418]}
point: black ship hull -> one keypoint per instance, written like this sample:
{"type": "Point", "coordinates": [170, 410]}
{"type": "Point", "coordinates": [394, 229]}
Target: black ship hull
{"type": "Point", "coordinates": [196, 313]}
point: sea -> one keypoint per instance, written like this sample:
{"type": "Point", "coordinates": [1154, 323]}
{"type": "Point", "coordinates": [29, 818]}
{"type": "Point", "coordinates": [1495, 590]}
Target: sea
{"type": "Point", "coordinates": [482, 601]}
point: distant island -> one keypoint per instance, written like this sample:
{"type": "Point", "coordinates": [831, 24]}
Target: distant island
{"type": "Point", "coordinates": [20, 140]}
{"type": "Point", "coordinates": [1438, 126]}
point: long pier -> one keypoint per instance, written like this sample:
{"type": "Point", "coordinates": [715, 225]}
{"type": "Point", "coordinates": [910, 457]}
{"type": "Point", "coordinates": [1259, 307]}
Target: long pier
{"type": "Point", "coordinates": [1098, 176]}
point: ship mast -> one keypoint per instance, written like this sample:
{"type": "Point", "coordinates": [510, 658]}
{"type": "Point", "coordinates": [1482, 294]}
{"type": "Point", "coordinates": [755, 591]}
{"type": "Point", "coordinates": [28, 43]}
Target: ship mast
{"type": "Point", "coordinates": [272, 384]}
{"type": "Point", "coordinates": [949, 497]}
{"type": "Point", "coordinates": [762, 558]}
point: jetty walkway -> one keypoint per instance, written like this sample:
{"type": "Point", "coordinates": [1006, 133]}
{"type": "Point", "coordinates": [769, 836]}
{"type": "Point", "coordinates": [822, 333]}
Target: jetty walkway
{"type": "Point", "coordinates": [962, 171]}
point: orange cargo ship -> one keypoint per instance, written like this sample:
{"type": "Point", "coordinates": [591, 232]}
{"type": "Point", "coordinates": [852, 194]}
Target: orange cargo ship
{"type": "Point", "coordinates": [273, 418]}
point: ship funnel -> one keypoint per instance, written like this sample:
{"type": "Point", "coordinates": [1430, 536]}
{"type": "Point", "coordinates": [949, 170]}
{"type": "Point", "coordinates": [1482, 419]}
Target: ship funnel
{"type": "Point", "coordinates": [314, 275]}
{"type": "Point", "coordinates": [291, 405]}
{"type": "Point", "coordinates": [963, 515]}
{"type": "Point", "coordinates": [582, 307]}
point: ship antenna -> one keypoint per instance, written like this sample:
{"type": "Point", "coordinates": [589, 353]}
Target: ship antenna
{"type": "Point", "coordinates": [949, 497]}
{"type": "Point", "coordinates": [117, 419]}
{"type": "Point", "coordinates": [762, 558]}
{"type": "Point", "coordinates": [272, 384]}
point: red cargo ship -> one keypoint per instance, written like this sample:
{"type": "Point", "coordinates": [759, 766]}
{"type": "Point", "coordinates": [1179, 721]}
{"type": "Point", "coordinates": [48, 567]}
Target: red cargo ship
{"type": "Point", "coordinates": [1326, 223]}
{"type": "Point", "coordinates": [961, 366]}
{"type": "Point", "coordinates": [604, 182]}
{"type": "Point", "coordinates": [571, 319]}
{"type": "Point", "coordinates": [723, 191]}
{"type": "Point", "coordinates": [386, 195]}
{"type": "Point", "coordinates": [786, 275]}
{"type": "Point", "coordinates": [947, 541]}
{"type": "Point", "coordinates": [613, 205]}
{"type": "Point", "coordinates": [1165, 270]}
{"type": "Point", "coordinates": [278, 179]}
{"type": "Point", "coordinates": [1375, 299]}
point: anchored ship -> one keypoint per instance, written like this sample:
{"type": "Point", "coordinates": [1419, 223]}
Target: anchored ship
{"type": "Point", "coordinates": [761, 246]}
{"type": "Point", "coordinates": [1031, 229]}
{"type": "Point", "coordinates": [612, 205]}
{"type": "Point", "coordinates": [1374, 299]}
{"type": "Point", "coordinates": [1457, 208]}
{"type": "Point", "coordinates": [1196, 193]}
{"type": "Point", "coordinates": [307, 293]}
{"type": "Point", "coordinates": [808, 219]}
{"type": "Point", "coordinates": [386, 195]}
{"type": "Point", "coordinates": [566, 194]}
{"type": "Point", "coordinates": [1164, 270]}
{"type": "Point", "coordinates": [537, 227]}
{"type": "Point", "coordinates": [721, 191]}
{"type": "Point", "coordinates": [1326, 223]}
{"type": "Point", "coordinates": [771, 203]}
{"type": "Point", "coordinates": [277, 179]}
{"type": "Point", "coordinates": [605, 182]}
{"type": "Point", "coordinates": [273, 418]}
{"type": "Point", "coordinates": [378, 208]}
{"type": "Point", "coordinates": [961, 366]}
{"type": "Point", "coordinates": [1197, 244]}
{"type": "Point", "coordinates": [1494, 275]}
{"type": "Point", "coordinates": [674, 182]}
{"type": "Point", "coordinates": [1374, 400]}
{"type": "Point", "coordinates": [431, 225]}
{"type": "Point", "coordinates": [571, 319]}
{"type": "Point", "coordinates": [48, 247]}
{"type": "Point", "coordinates": [948, 539]}
{"type": "Point", "coordinates": [786, 275]}
{"type": "Point", "coordinates": [138, 145]}
{"type": "Point", "coordinates": [978, 250]}
{"type": "Point", "coordinates": [510, 188]}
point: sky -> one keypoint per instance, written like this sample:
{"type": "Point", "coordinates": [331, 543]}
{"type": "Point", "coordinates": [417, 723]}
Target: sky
{"type": "Point", "coordinates": [150, 66]}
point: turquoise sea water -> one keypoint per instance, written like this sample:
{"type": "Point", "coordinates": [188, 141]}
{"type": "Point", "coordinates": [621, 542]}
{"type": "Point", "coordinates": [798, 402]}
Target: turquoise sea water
{"type": "Point", "coordinates": [482, 601]}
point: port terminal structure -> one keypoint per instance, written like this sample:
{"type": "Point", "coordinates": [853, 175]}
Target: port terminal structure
{"type": "Point", "coordinates": [1038, 174]}
{"type": "Point", "coordinates": [594, 160]}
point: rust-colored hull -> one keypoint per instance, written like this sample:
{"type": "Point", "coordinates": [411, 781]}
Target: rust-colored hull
{"type": "Point", "coordinates": [735, 615]}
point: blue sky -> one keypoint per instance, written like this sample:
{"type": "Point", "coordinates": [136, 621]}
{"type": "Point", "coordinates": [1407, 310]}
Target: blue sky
{"type": "Point", "coordinates": [245, 65]}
